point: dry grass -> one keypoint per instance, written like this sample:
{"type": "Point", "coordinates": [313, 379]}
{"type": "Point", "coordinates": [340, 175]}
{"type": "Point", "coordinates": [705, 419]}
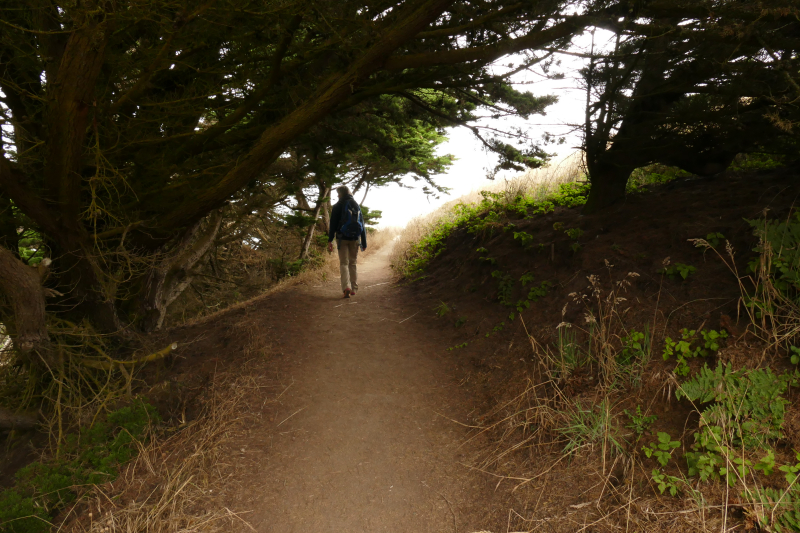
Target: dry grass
{"type": "Point", "coordinates": [328, 269]}
{"type": "Point", "coordinates": [177, 482]}
{"type": "Point", "coordinates": [536, 183]}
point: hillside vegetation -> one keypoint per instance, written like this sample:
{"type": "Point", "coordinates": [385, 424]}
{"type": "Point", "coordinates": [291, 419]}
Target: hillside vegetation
{"type": "Point", "coordinates": [637, 367]}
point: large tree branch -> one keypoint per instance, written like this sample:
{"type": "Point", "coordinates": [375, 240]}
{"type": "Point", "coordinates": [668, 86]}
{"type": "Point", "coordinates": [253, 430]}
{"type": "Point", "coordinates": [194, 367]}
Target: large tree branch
{"type": "Point", "coordinates": [22, 286]}
{"type": "Point", "coordinates": [199, 141]}
{"type": "Point", "coordinates": [488, 53]}
{"type": "Point", "coordinates": [477, 22]}
{"type": "Point", "coordinates": [11, 182]}
{"type": "Point", "coordinates": [335, 90]}
{"type": "Point", "coordinates": [159, 62]}
{"type": "Point", "coordinates": [70, 98]}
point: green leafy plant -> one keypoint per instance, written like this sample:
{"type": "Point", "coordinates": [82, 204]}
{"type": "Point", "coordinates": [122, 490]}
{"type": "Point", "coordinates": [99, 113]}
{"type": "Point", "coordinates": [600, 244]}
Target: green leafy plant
{"type": "Point", "coordinates": [655, 174]}
{"type": "Point", "coordinates": [661, 450]}
{"type": "Point", "coordinates": [442, 309]}
{"type": "Point", "coordinates": [458, 346]}
{"type": "Point", "coordinates": [505, 287]}
{"type": "Point", "coordinates": [781, 507]}
{"type": "Point", "coordinates": [746, 411]}
{"type": "Point", "coordinates": [574, 233]}
{"type": "Point", "coordinates": [666, 483]}
{"type": "Point", "coordinates": [461, 321]}
{"type": "Point", "coordinates": [748, 403]}
{"type": "Point", "coordinates": [795, 354]}
{"type": "Point", "coordinates": [526, 279]}
{"type": "Point", "coordinates": [92, 457]}
{"type": "Point", "coordinates": [634, 356]}
{"type": "Point", "coordinates": [639, 422]}
{"type": "Point", "coordinates": [685, 349]}
{"type": "Point", "coordinates": [526, 239]}
{"type": "Point", "coordinates": [715, 239]}
{"type": "Point", "coordinates": [497, 329]}
{"type": "Point", "coordinates": [678, 270]}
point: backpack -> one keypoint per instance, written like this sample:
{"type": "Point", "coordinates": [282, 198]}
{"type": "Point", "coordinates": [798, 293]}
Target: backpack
{"type": "Point", "coordinates": [352, 221]}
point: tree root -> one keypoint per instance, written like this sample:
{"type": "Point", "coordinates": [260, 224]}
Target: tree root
{"type": "Point", "coordinates": [111, 364]}
{"type": "Point", "coordinates": [12, 420]}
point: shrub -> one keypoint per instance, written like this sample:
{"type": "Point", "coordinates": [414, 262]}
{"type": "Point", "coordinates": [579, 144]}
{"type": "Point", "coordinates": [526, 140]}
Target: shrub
{"type": "Point", "coordinates": [92, 457]}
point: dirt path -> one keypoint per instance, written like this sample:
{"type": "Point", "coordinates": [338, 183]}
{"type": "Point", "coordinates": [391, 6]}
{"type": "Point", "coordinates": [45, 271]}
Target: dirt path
{"type": "Point", "coordinates": [361, 439]}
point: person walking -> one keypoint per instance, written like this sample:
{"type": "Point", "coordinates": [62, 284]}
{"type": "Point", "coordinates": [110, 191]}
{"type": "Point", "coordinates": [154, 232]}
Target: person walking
{"type": "Point", "coordinates": [347, 227]}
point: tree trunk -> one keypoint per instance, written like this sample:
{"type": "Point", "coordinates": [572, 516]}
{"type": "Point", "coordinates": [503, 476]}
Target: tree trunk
{"type": "Point", "coordinates": [8, 227]}
{"type": "Point", "coordinates": [326, 213]}
{"type": "Point", "coordinates": [22, 286]}
{"type": "Point", "coordinates": [608, 180]}
{"type": "Point", "coordinates": [11, 420]}
{"type": "Point", "coordinates": [170, 277]}
{"type": "Point", "coordinates": [607, 190]}
{"type": "Point", "coordinates": [323, 194]}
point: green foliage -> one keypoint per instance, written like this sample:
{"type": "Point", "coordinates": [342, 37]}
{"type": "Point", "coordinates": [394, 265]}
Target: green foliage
{"type": "Point", "coordinates": [655, 174]}
{"type": "Point", "coordinates": [484, 217]}
{"type": "Point", "coordinates": [666, 483]}
{"type": "Point", "coordinates": [538, 292]}
{"type": "Point", "coordinates": [458, 346]}
{"type": "Point", "coordinates": [639, 422]}
{"type": "Point", "coordinates": [442, 309]}
{"type": "Point", "coordinates": [746, 402]}
{"type": "Point", "coordinates": [635, 355]}
{"type": "Point", "coordinates": [574, 233]}
{"type": "Point", "coordinates": [591, 426]}
{"type": "Point", "coordinates": [795, 354]}
{"type": "Point", "coordinates": [31, 246]}
{"type": "Point", "coordinates": [92, 457]}
{"type": "Point", "coordinates": [568, 351]}
{"type": "Point", "coordinates": [678, 269]}
{"type": "Point", "coordinates": [783, 240]}
{"type": "Point", "coordinates": [661, 450]}
{"type": "Point", "coordinates": [745, 410]}
{"type": "Point", "coordinates": [461, 321]}
{"type": "Point", "coordinates": [526, 278]}
{"type": "Point", "coordinates": [371, 216]}
{"type": "Point", "coordinates": [505, 286]}
{"type": "Point", "coordinates": [685, 349]}
{"type": "Point", "coordinates": [526, 239]}
{"type": "Point", "coordinates": [783, 506]}
{"type": "Point", "coordinates": [299, 220]}
{"type": "Point", "coordinates": [757, 161]}
{"type": "Point", "coordinates": [715, 239]}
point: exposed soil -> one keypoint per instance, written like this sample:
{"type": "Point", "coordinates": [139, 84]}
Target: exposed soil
{"type": "Point", "coordinates": [365, 432]}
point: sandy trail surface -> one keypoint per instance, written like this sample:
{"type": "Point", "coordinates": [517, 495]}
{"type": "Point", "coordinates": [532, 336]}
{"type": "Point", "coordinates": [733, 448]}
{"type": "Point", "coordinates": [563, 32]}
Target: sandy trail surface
{"type": "Point", "coordinates": [363, 437]}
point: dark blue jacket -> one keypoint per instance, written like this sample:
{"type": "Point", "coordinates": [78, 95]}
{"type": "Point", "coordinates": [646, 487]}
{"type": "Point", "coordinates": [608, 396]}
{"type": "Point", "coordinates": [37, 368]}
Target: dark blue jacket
{"type": "Point", "coordinates": [336, 221]}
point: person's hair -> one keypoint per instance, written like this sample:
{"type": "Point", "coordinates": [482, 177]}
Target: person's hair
{"type": "Point", "coordinates": [344, 189]}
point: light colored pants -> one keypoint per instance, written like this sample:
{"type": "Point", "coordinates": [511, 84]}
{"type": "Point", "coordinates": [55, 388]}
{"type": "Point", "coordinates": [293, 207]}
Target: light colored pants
{"type": "Point", "coordinates": [348, 256]}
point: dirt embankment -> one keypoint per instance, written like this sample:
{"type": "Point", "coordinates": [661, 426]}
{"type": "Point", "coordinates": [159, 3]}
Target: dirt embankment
{"type": "Point", "coordinates": [541, 488]}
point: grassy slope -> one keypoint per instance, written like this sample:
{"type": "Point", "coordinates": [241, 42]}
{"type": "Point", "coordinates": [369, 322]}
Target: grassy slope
{"type": "Point", "coordinates": [541, 399]}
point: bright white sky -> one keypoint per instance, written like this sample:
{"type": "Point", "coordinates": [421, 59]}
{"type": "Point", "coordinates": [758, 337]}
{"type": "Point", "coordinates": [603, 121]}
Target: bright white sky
{"type": "Point", "coordinates": [468, 173]}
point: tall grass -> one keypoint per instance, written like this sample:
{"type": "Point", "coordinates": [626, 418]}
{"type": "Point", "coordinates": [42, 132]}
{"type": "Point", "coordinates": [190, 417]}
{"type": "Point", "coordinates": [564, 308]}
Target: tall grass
{"type": "Point", "coordinates": [536, 184]}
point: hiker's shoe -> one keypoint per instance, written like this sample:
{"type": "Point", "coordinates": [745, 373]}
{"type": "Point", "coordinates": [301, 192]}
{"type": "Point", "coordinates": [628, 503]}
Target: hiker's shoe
{"type": "Point", "coordinates": [347, 293]}
{"type": "Point", "coordinates": [352, 292]}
